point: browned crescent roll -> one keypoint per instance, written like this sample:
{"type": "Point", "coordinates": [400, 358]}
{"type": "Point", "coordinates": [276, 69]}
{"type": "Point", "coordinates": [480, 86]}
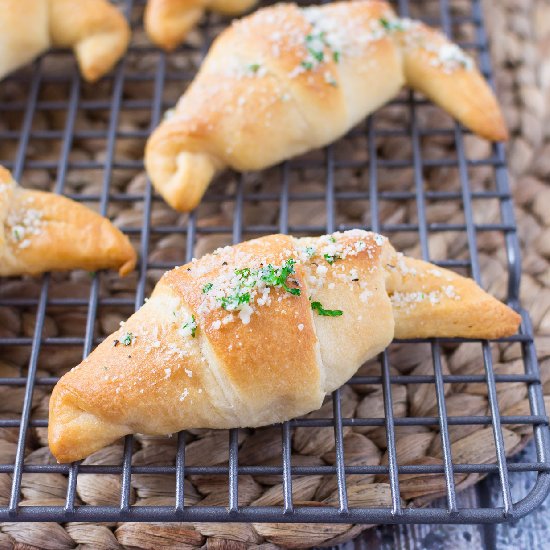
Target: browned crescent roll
{"type": "Point", "coordinates": [258, 333]}
{"type": "Point", "coordinates": [42, 231]}
{"type": "Point", "coordinates": [95, 29]}
{"type": "Point", "coordinates": [285, 80]}
{"type": "Point", "coordinates": [167, 22]}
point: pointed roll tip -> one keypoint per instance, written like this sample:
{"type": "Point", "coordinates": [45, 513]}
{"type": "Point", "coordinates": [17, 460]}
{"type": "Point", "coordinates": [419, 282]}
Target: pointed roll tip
{"type": "Point", "coordinates": [449, 305]}
{"type": "Point", "coordinates": [127, 267]}
{"type": "Point", "coordinates": [98, 53]}
{"type": "Point", "coordinates": [492, 126]}
{"type": "Point", "coordinates": [507, 321]}
{"type": "Point", "coordinates": [74, 434]}
{"type": "Point", "coordinates": [126, 255]}
{"type": "Point", "coordinates": [129, 263]}
{"type": "Point", "coordinates": [500, 134]}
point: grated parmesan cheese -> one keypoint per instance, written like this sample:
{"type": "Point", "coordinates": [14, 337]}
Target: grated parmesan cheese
{"type": "Point", "coordinates": [184, 394]}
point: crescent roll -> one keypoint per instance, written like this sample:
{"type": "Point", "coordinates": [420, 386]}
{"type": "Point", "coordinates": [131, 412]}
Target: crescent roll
{"type": "Point", "coordinates": [95, 29]}
{"type": "Point", "coordinates": [286, 80]}
{"type": "Point", "coordinates": [41, 231]}
{"type": "Point", "coordinates": [167, 22]}
{"type": "Point", "coordinates": [259, 333]}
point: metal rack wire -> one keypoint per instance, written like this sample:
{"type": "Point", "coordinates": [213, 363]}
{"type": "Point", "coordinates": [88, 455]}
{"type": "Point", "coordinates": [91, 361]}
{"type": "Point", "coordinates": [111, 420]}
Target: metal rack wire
{"type": "Point", "coordinates": [282, 198]}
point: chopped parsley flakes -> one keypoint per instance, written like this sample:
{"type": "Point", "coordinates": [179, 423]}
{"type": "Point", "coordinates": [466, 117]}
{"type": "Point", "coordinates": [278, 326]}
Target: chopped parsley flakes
{"type": "Point", "coordinates": [395, 25]}
{"type": "Point", "coordinates": [318, 307]}
{"type": "Point", "coordinates": [277, 276]}
{"type": "Point", "coordinates": [127, 339]}
{"type": "Point", "coordinates": [315, 46]}
{"type": "Point", "coordinates": [254, 68]}
{"type": "Point", "coordinates": [248, 278]}
{"type": "Point", "coordinates": [331, 258]}
{"type": "Point", "coordinates": [207, 288]}
{"type": "Point", "coordinates": [233, 301]}
{"type": "Point", "coordinates": [190, 327]}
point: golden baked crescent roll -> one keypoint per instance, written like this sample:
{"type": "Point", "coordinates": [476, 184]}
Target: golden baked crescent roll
{"type": "Point", "coordinates": [95, 29]}
{"type": "Point", "coordinates": [259, 333]}
{"type": "Point", "coordinates": [41, 231]}
{"type": "Point", "coordinates": [285, 80]}
{"type": "Point", "coordinates": [167, 22]}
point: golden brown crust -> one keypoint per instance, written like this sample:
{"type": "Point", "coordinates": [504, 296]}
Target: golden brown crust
{"type": "Point", "coordinates": [262, 356]}
{"type": "Point", "coordinates": [167, 22]}
{"type": "Point", "coordinates": [95, 29]}
{"type": "Point", "coordinates": [444, 75]}
{"type": "Point", "coordinates": [22, 37]}
{"type": "Point", "coordinates": [42, 231]}
{"type": "Point", "coordinates": [430, 301]}
{"type": "Point", "coordinates": [185, 360]}
{"type": "Point", "coordinates": [286, 80]}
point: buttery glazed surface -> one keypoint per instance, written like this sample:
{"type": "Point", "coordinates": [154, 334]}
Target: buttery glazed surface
{"type": "Point", "coordinates": [41, 231]}
{"type": "Point", "coordinates": [95, 29]}
{"type": "Point", "coordinates": [286, 80]}
{"type": "Point", "coordinates": [183, 361]}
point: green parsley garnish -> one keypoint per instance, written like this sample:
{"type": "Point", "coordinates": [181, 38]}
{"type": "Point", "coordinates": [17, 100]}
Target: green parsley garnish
{"type": "Point", "coordinates": [322, 36]}
{"type": "Point", "coordinates": [254, 68]}
{"type": "Point", "coordinates": [332, 239]}
{"type": "Point", "coordinates": [273, 276]}
{"type": "Point", "coordinates": [336, 57]}
{"type": "Point", "coordinates": [244, 274]}
{"type": "Point", "coordinates": [391, 25]}
{"type": "Point", "coordinates": [248, 278]}
{"type": "Point", "coordinates": [234, 301]}
{"type": "Point", "coordinates": [207, 288]}
{"type": "Point", "coordinates": [190, 326]}
{"type": "Point", "coordinates": [318, 307]}
{"type": "Point", "coordinates": [315, 44]}
{"type": "Point", "coordinates": [317, 55]}
{"type": "Point", "coordinates": [331, 258]}
{"type": "Point", "coordinates": [17, 233]}
{"type": "Point", "coordinates": [127, 339]}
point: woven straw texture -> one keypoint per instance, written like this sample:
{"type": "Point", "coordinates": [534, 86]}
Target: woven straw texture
{"type": "Point", "coordinates": [520, 31]}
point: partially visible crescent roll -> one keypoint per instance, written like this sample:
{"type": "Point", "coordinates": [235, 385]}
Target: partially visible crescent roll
{"type": "Point", "coordinates": [259, 333]}
{"type": "Point", "coordinates": [95, 29]}
{"type": "Point", "coordinates": [41, 231]}
{"type": "Point", "coordinates": [25, 33]}
{"type": "Point", "coordinates": [286, 80]}
{"type": "Point", "coordinates": [167, 22]}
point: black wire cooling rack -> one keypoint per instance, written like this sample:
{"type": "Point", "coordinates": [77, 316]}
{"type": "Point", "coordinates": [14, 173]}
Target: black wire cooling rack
{"type": "Point", "coordinates": [111, 98]}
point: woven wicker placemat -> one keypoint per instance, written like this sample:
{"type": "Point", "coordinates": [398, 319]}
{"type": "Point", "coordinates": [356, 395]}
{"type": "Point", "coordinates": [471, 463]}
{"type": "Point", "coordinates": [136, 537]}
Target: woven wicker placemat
{"type": "Point", "coordinates": [520, 31]}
